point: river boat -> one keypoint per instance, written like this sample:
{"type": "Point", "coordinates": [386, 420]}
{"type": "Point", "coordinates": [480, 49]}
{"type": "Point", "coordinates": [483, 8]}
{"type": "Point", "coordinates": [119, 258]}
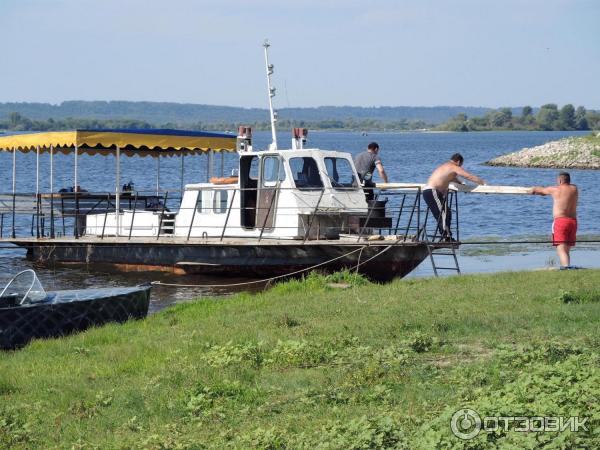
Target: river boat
{"type": "Point", "coordinates": [282, 211]}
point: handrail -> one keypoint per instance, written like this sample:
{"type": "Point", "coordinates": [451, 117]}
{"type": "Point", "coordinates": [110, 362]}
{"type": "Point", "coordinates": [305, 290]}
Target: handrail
{"type": "Point", "coordinates": [133, 214]}
{"type": "Point", "coordinates": [405, 214]}
{"type": "Point", "coordinates": [37, 216]}
{"type": "Point", "coordinates": [399, 214]}
{"type": "Point", "coordinates": [105, 216]}
{"type": "Point", "coordinates": [164, 206]}
{"type": "Point", "coordinates": [457, 226]}
{"type": "Point", "coordinates": [419, 192]}
{"type": "Point", "coordinates": [193, 215]}
{"type": "Point", "coordinates": [76, 225]}
{"type": "Point", "coordinates": [412, 213]}
{"type": "Point", "coordinates": [267, 216]}
{"type": "Point", "coordinates": [370, 212]}
{"type": "Point", "coordinates": [311, 218]}
{"type": "Point", "coordinates": [228, 214]}
{"type": "Point", "coordinates": [14, 201]}
{"type": "Point", "coordinates": [52, 217]}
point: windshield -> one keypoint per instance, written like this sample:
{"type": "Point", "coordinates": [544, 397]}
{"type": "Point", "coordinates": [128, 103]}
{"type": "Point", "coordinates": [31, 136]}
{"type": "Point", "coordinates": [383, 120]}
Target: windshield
{"type": "Point", "coordinates": [339, 171]}
{"type": "Point", "coordinates": [26, 287]}
{"type": "Point", "coordinates": [306, 173]}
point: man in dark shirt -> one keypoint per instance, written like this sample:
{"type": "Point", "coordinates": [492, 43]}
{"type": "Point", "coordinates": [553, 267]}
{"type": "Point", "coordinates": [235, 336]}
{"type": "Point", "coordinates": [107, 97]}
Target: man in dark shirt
{"type": "Point", "coordinates": [365, 164]}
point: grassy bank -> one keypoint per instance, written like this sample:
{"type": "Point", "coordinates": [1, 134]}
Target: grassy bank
{"type": "Point", "coordinates": [307, 365]}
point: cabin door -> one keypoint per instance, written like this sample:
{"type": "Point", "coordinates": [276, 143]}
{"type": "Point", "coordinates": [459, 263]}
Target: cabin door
{"type": "Point", "coordinates": [271, 175]}
{"type": "Point", "coordinates": [249, 190]}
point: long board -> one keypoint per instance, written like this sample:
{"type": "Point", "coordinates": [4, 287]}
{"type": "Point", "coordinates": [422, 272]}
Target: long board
{"type": "Point", "coordinates": [483, 189]}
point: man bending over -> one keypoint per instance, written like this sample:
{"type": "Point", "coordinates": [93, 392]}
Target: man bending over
{"type": "Point", "coordinates": [564, 210]}
{"type": "Point", "coordinates": [366, 163]}
{"type": "Point", "coordinates": [435, 193]}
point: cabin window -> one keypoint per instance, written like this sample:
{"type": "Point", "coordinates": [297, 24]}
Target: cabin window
{"type": "Point", "coordinates": [339, 171]}
{"type": "Point", "coordinates": [306, 173]}
{"type": "Point", "coordinates": [203, 201]}
{"type": "Point", "coordinates": [199, 202]}
{"type": "Point", "coordinates": [253, 173]}
{"type": "Point", "coordinates": [273, 171]}
{"type": "Point", "coordinates": [220, 201]}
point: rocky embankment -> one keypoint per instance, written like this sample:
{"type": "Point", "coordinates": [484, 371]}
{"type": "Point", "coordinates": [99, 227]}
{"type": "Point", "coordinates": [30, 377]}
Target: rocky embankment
{"type": "Point", "coordinates": [569, 153]}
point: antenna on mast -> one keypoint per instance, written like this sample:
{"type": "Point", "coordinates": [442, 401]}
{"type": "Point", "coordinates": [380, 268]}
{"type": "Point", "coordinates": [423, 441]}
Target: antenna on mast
{"type": "Point", "coordinates": [271, 92]}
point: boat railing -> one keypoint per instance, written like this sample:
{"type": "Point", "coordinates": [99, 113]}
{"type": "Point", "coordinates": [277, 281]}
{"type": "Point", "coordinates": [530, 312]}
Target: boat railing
{"type": "Point", "coordinates": [60, 214]}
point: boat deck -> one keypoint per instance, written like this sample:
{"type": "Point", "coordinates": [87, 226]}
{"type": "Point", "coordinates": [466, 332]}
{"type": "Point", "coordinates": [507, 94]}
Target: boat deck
{"type": "Point", "coordinates": [216, 241]}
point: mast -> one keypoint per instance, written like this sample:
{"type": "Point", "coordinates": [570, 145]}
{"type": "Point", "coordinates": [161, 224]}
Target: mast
{"type": "Point", "coordinates": [271, 92]}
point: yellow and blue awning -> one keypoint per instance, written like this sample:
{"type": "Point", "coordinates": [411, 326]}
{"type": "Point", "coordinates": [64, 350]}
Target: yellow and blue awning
{"type": "Point", "coordinates": [150, 142]}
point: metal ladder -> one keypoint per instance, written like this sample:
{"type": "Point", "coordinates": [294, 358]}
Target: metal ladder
{"type": "Point", "coordinates": [435, 250]}
{"type": "Point", "coordinates": [446, 250]}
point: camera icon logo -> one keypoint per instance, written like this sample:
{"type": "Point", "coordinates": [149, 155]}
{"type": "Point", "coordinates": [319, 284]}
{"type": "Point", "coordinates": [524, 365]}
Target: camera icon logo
{"type": "Point", "coordinates": [465, 423]}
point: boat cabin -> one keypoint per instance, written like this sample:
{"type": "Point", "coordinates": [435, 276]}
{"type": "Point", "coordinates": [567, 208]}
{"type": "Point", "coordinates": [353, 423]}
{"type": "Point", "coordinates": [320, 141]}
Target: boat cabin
{"type": "Point", "coordinates": [283, 194]}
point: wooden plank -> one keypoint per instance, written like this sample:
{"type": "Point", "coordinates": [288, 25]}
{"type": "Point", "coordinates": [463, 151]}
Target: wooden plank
{"type": "Point", "coordinates": [491, 189]}
{"type": "Point", "coordinates": [195, 263]}
{"type": "Point", "coordinates": [483, 189]}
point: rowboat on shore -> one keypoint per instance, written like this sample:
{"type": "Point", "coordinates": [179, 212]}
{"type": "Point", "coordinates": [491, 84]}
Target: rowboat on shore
{"type": "Point", "coordinates": [28, 312]}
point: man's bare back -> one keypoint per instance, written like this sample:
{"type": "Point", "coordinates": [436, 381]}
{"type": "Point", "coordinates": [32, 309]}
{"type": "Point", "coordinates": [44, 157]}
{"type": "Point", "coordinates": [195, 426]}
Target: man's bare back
{"type": "Point", "coordinates": [448, 172]}
{"type": "Point", "coordinates": [565, 198]}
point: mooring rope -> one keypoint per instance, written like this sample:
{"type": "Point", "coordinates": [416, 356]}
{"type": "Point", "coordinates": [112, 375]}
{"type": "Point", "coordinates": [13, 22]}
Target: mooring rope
{"type": "Point", "coordinates": [265, 280]}
{"type": "Point", "coordinates": [268, 280]}
{"type": "Point", "coordinates": [579, 241]}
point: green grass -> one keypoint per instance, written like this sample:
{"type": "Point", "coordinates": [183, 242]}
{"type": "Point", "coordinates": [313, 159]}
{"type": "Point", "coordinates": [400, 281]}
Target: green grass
{"type": "Point", "coordinates": [592, 138]}
{"type": "Point", "coordinates": [306, 365]}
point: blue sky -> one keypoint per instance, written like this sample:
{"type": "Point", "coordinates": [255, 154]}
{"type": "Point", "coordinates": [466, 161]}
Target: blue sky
{"type": "Point", "coordinates": [326, 52]}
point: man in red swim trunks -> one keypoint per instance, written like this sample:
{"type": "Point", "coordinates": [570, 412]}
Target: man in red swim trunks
{"type": "Point", "coordinates": [564, 228]}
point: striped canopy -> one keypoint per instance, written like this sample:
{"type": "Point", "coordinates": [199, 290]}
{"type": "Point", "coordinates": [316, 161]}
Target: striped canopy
{"type": "Point", "coordinates": [152, 142]}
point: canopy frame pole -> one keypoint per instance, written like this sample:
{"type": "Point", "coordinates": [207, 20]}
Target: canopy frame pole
{"type": "Point", "coordinates": [117, 191]}
{"type": "Point", "coordinates": [182, 170]}
{"type": "Point", "coordinates": [157, 174]}
{"type": "Point", "coordinates": [75, 165]}
{"type": "Point", "coordinates": [37, 170]}
{"type": "Point", "coordinates": [75, 193]}
{"type": "Point", "coordinates": [209, 165]}
{"type": "Point", "coordinates": [52, 191]}
{"type": "Point", "coordinates": [14, 190]}
{"type": "Point", "coordinates": [37, 191]}
{"type": "Point", "coordinates": [222, 163]}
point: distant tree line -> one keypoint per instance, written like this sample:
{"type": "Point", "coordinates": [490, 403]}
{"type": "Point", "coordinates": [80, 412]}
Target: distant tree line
{"type": "Point", "coordinates": [548, 118]}
{"type": "Point", "coordinates": [17, 122]}
{"type": "Point", "coordinates": [164, 112]}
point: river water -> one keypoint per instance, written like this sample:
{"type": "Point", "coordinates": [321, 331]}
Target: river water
{"type": "Point", "coordinates": [408, 157]}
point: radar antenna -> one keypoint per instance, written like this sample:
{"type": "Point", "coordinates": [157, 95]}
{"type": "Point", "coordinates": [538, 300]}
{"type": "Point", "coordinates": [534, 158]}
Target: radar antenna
{"type": "Point", "coordinates": [271, 92]}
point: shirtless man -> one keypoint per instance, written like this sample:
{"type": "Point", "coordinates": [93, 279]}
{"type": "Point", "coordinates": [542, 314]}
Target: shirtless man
{"type": "Point", "coordinates": [435, 193]}
{"type": "Point", "coordinates": [564, 228]}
